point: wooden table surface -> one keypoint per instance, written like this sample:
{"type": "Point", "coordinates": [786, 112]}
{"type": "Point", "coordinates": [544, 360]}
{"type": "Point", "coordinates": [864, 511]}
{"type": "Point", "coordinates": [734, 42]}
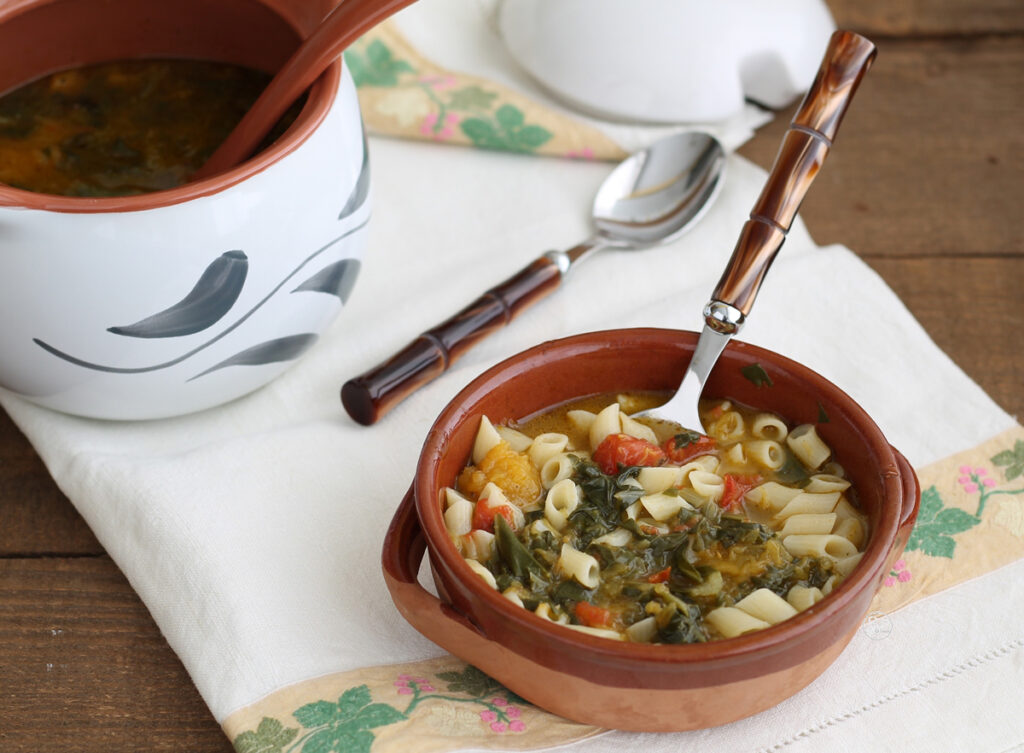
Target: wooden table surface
{"type": "Point", "coordinates": [926, 184]}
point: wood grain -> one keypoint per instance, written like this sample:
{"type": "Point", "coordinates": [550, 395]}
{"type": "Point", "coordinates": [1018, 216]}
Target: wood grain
{"type": "Point", "coordinates": [951, 18]}
{"type": "Point", "coordinates": [930, 160]}
{"type": "Point", "coordinates": [974, 310]}
{"type": "Point", "coordinates": [924, 183]}
{"type": "Point", "coordinates": [84, 669]}
{"type": "Point", "coordinates": [35, 517]}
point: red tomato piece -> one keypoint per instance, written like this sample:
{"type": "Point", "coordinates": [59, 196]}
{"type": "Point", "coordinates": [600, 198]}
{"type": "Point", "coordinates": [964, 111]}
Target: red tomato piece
{"type": "Point", "coordinates": [684, 447]}
{"type": "Point", "coordinates": [660, 577]}
{"type": "Point", "coordinates": [736, 487]}
{"type": "Point", "coordinates": [484, 514]}
{"type": "Point", "coordinates": [625, 450]}
{"type": "Point", "coordinates": [592, 616]}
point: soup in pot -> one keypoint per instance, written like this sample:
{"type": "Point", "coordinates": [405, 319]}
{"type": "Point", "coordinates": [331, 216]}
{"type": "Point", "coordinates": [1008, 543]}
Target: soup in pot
{"type": "Point", "coordinates": [651, 533]}
{"type": "Point", "coordinates": [123, 128]}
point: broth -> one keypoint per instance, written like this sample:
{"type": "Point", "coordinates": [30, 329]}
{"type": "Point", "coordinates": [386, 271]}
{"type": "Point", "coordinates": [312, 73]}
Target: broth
{"type": "Point", "coordinates": [123, 128]}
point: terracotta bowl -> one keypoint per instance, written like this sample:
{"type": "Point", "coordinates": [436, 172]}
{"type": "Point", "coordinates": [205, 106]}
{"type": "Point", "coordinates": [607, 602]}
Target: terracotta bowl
{"type": "Point", "coordinates": [625, 685]}
{"type": "Point", "coordinates": [283, 232]}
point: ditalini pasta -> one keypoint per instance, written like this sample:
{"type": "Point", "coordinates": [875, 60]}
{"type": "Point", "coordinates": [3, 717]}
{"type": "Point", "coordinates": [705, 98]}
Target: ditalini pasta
{"type": "Point", "coordinates": [628, 531]}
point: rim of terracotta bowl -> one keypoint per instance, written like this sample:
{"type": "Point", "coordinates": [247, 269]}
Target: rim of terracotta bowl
{"type": "Point", "coordinates": [717, 654]}
{"type": "Point", "coordinates": [322, 94]}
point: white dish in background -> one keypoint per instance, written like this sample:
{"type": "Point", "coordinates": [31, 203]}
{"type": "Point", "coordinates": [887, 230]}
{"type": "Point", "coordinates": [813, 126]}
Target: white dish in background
{"type": "Point", "coordinates": [667, 61]}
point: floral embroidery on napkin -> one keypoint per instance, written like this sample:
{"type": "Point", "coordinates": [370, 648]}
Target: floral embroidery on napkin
{"type": "Point", "coordinates": [401, 93]}
{"type": "Point", "coordinates": [971, 521]}
{"type": "Point", "coordinates": [425, 707]}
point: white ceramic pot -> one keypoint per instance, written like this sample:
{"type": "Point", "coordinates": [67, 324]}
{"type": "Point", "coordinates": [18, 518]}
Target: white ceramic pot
{"type": "Point", "coordinates": [668, 61]}
{"type": "Point", "coordinates": [171, 302]}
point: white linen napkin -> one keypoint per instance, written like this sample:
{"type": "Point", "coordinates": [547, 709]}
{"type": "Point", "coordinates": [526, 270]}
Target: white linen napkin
{"type": "Point", "coordinates": [253, 531]}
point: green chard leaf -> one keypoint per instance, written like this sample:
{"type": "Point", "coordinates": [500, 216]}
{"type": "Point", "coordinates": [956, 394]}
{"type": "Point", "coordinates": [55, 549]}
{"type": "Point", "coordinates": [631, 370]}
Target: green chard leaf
{"type": "Point", "coordinates": [686, 437]}
{"type": "Point", "coordinates": [756, 374]}
{"type": "Point", "coordinates": [512, 552]}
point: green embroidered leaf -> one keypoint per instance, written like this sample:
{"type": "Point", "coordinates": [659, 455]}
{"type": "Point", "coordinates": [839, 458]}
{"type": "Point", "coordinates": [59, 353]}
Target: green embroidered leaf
{"type": "Point", "coordinates": [756, 374]}
{"type": "Point", "coordinates": [532, 136]}
{"type": "Point", "coordinates": [936, 525]}
{"type": "Point", "coordinates": [342, 739]}
{"type": "Point", "coordinates": [954, 520]}
{"type": "Point", "coordinates": [344, 725]}
{"type": "Point", "coordinates": [822, 415]}
{"type": "Point", "coordinates": [481, 133]}
{"type": "Point", "coordinates": [316, 714]}
{"type": "Point", "coordinates": [351, 701]}
{"type": "Point", "coordinates": [470, 681]}
{"type": "Point", "coordinates": [377, 715]}
{"type": "Point", "coordinates": [377, 67]}
{"type": "Point", "coordinates": [1013, 460]}
{"type": "Point", "coordinates": [931, 503]}
{"type": "Point", "coordinates": [269, 737]}
{"type": "Point", "coordinates": [509, 117]}
{"type": "Point", "coordinates": [507, 132]}
{"type": "Point", "coordinates": [471, 97]}
{"type": "Point", "coordinates": [938, 545]}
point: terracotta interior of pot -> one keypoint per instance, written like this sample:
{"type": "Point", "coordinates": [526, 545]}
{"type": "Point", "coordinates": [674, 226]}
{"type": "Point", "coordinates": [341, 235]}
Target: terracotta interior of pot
{"type": "Point", "coordinates": [67, 33]}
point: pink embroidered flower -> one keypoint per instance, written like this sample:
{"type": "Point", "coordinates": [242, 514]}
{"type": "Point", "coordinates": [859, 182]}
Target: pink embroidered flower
{"type": "Point", "coordinates": [499, 702]}
{"type": "Point", "coordinates": [405, 691]}
{"type": "Point", "coordinates": [584, 153]}
{"type": "Point", "coordinates": [400, 683]}
{"type": "Point", "coordinates": [427, 688]}
{"type": "Point", "coordinates": [439, 132]}
{"type": "Point", "coordinates": [488, 716]}
{"type": "Point", "coordinates": [516, 726]}
{"type": "Point", "coordinates": [512, 712]}
{"type": "Point", "coordinates": [898, 574]}
{"type": "Point", "coordinates": [438, 83]}
{"type": "Point", "coordinates": [418, 680]}
{"type": "Point", "coordinates": [972, 479]}
{"type": "Point", "coordinates": [403, 677]}
{"type": "Point", "coordinates": [498, 727]}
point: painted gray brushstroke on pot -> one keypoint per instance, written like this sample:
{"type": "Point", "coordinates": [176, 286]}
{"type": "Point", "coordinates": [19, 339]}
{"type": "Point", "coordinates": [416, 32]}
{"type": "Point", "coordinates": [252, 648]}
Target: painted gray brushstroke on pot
{"type": "Point", "coordinates": [206, 304]}
{"type": "Point", "coordinates": [362, 188]}
{"type": "Point", "coordinates": [336, 279]}
{"type": "Point", "coordinates": [185, 356]}
{"type": "Point", "coordinates": [272, 351]}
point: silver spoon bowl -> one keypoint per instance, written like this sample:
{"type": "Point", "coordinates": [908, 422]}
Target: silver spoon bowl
{"type": "Point", "coordinates": [651, 198]}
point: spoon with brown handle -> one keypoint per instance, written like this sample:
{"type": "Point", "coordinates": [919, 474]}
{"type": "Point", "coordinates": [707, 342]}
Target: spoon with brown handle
{"type": "Point", "coordinates": [802, 154]}
{"type": "Point", "coordinates": [647, 200]}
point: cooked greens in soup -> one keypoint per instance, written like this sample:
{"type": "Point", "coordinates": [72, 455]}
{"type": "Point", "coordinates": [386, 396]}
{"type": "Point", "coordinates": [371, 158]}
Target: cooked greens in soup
{"type": "Point", "coordinates": [652, 534]}
{"type": "Point", "coordinates": [122, 128]}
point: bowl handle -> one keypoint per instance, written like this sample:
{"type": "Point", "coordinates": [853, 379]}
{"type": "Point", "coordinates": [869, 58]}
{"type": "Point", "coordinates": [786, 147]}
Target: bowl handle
{"type": "Point", "coordinates": [911, 502]}
{"type": "Point", "coordinates": [440, 622]}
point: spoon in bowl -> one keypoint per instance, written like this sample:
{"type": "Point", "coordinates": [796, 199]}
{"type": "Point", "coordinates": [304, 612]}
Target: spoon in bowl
{"type": "Point", "coordinates": [341, 27]}
{"type": "Point", "coordinates": [804, 147]}
{"type": "Point", "coordinates": [647, 200]}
